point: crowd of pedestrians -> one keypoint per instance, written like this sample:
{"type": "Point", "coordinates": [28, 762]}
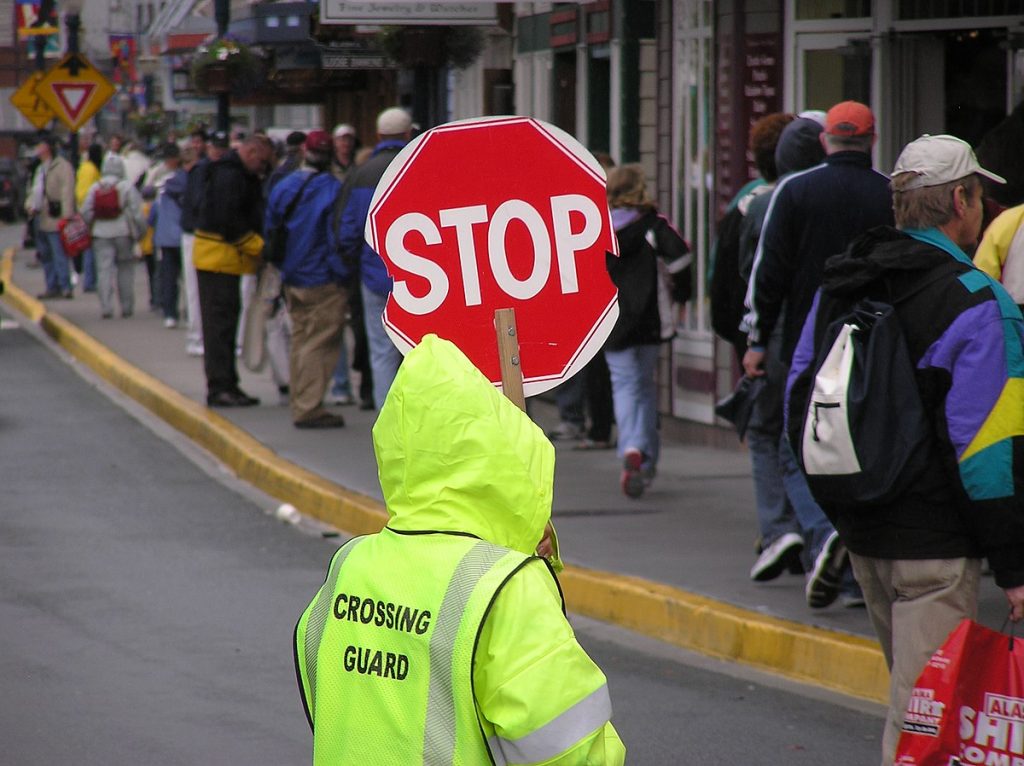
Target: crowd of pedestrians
{"type": "Point", "coordinates": [266, 245]}
{"type": "Point", "coordinates": [197, 211]}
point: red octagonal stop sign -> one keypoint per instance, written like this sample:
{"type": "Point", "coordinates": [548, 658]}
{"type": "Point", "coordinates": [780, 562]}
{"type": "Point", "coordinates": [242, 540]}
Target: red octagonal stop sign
{"type": "Point", "coordinates": [497, 213]}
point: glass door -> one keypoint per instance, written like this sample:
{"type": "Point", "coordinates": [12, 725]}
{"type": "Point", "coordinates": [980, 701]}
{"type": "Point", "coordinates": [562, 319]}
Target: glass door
{"type": "Point", "coordinates": [831, 68]}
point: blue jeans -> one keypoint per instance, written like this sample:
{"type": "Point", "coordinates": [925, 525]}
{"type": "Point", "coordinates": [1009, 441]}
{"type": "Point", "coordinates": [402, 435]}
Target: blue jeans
{"type": "Point", "coordinates": [634, 397]}
{"type": "Point", "coordinates": [56, 267]}
{"type": "Point", "coordinates": [774, 512]}
{"type": "Point", "coordinates": [569, 398]}
{"type": "Point", "coordinates": [384, 357]}
{"type": "Point", "coordinates": [89, 270]}
{"type": "Point", "coordinates": [341, 384]}
{"type": "Point", "coordinates": [815, 525]}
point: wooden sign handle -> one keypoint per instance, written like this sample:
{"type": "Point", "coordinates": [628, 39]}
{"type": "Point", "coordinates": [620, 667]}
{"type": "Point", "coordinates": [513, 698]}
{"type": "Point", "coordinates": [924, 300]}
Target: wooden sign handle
{"type": "Point", "coordinates": [508, 355]}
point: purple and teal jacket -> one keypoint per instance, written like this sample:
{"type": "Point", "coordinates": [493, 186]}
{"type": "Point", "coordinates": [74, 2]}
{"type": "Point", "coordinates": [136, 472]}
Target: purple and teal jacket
{"type": "Point", "coordinates": [965, 336]}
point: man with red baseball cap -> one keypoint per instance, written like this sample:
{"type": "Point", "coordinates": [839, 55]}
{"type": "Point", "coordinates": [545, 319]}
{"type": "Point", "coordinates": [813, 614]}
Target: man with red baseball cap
{"type": "Point", "coordinates": [813, 215]}
{"type": "Point", "coordinates": [314, 278]}
{"type": "Point", "coordinates": [850, 119]}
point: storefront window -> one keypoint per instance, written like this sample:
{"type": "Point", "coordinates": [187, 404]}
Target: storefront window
{"type": "Point", "coordinates": [807, 10]}
{"type": "Point", "coordinates": [937, 9]}
{"type": "Point", "coordinates": [837, 75]}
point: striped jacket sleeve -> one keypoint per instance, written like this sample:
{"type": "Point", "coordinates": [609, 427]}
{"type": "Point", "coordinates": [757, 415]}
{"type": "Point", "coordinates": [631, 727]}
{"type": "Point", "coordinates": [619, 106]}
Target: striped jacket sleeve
{"type": "Point", "coordinates": [983, 353]}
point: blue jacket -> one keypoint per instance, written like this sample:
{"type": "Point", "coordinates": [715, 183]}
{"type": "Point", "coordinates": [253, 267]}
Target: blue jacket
{"type": "Point", "coordinates": [355, 207]}
{"type": "Point", "coordinates": [812, 215]}
{"type": "Point", "coordinates": [165, 214]}
{"type": "Point", "coordinates": [309, 259]}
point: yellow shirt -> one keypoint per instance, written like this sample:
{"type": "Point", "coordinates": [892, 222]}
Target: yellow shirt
{"type": "Point", "coordinates": [1001, 252]}
{"type": "Point", "coordinates": [87, 175]}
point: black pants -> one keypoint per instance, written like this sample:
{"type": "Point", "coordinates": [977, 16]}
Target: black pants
{"type": "Point", "coordinates": [597, 389]}
{"type": "Point", "coordinates": [220, 304]}
{"type": "Point", "coordinates": [170, 272]}
{"type": "Point", "coordinates": [360, 350]}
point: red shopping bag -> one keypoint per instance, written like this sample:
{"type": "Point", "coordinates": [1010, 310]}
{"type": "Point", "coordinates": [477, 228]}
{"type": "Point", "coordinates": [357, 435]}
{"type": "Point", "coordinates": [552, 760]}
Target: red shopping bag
{"type": "Point", "coordinates": [74, 235]}
{"type": "Point", "coordinates": [968, 704]}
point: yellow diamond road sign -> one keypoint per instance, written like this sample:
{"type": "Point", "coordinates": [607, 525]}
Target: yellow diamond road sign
{"type": "Point", "coordinates": [27, 101]}
{"type": "Point", "coordinates": [75, 90]}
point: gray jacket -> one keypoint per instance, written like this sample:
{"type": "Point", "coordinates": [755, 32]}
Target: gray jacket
{"type": "Point", "coordinates": [131, 222]}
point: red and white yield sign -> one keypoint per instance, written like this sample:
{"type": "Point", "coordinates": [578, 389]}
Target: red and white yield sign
{"type": "Point", "coordinates": [498, 213]}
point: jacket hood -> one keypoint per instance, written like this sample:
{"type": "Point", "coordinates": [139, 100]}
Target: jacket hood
{"type": "Point", "coordinates": [799, 146]}
{"type": "Point", "coordinates": [113, 166]}
{"type": "Point", "coordinates": [175, 185]}
{"type": "Point", "coordinates": [879, 252]}
{"type": "Point", "coordinates": [454, 455]}
{"type": "Point", "coordinates": [631, 229]}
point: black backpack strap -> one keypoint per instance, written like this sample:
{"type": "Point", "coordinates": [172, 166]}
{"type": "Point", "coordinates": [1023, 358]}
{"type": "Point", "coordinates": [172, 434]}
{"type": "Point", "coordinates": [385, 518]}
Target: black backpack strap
{"type": "Point", "coordinates": [288, 211]}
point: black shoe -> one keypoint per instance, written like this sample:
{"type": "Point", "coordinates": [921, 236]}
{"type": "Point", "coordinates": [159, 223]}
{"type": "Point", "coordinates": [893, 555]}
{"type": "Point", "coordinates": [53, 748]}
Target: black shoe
{"type": "Point", "coordinates": [69, 294]}
{"type": "Point", "coordinates": [231, 399]}
{"type": "Point", "coordinates": [774, 559]}
{"type": "Point", "coordinates": [823, 584]}
{"type": "Point", "coordinates": [246, 400]}
{"type": "Point", "coordinates": [323, 420]}
{"type": "Point", "coordinates": [366, 404]}
{"type": "Point", "coordinates": [45, 296]}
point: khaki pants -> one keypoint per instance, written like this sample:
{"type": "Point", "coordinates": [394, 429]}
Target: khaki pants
{"type": "Point", "coordinates": [913, 605]}
{"type": "Point", "coordinates": [318, 317]}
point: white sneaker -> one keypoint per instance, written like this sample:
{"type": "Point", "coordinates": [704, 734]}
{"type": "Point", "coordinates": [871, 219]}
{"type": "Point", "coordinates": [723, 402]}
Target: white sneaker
{"type": "Point", "coordinates": [774, 559]}
{"type": "Point", "coordinates": [340, 400]}
{"type": "Point", "coordinates": [170, 323]}
{"type": "Point", "coordinates": [194, 349]}
{"type": "Point", "coordinates": [566, 431]}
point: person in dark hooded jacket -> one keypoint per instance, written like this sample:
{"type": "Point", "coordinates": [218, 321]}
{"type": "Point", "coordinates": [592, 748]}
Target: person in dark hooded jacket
{"type": "Point", "coordinates": [651, 272]}
{"type": "Point", "coordinates": [782, 539]}
{"type": "Point", "coordinates": [918, 555]}
{"type": "Point", "coordinates": [813, 215]}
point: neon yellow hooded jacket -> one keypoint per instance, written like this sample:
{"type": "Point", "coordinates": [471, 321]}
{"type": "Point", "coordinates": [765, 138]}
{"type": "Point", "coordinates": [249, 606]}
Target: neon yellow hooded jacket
{"type": "Point", "coordinates": [456, 457]}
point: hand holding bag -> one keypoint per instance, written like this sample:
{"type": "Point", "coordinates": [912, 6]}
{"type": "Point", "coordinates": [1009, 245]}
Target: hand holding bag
{"type": "Point", "coordinates": [738, 406]}
{"type": "Point", "coordinates": [74, 235]}
{"type": "Point", "coordinates": [968, 704]}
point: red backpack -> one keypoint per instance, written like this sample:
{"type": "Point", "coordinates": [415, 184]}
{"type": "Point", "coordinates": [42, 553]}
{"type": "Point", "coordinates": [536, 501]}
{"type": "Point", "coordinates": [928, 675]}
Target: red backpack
{"type": "Point", "coordinates": [106, 203]}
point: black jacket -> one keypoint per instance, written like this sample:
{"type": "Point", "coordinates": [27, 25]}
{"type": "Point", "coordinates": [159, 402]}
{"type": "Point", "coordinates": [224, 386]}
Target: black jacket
{"type": "Point", "coordinates": [225, 198]}
{"type": "Point", "coordinates": [813, 215]}
{"type": "Point", "coordinates": [965, 342]}
{"type": "Point", "coordinates": [640, 278]}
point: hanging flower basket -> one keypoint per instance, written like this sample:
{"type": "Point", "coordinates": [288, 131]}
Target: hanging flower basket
{"type": "Point", "coordinates": [227, 65]}
{"type": "Point", "coordinates": [413, 46]}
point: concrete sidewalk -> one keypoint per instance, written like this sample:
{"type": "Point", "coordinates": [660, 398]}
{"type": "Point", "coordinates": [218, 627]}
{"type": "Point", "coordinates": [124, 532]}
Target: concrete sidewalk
{"type": "Point", "coordinates": [673, 564]}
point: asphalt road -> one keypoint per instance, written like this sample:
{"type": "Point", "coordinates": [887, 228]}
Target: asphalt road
{"type": "Point", "coordinates": [147, 601]}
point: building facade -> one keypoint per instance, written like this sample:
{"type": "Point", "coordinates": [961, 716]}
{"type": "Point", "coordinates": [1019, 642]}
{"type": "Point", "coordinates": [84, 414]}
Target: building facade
{"type": "Point", "coordinates": [924, 66]}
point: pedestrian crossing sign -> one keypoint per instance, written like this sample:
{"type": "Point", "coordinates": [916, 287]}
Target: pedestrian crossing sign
{"type": "Point", "coordinates": [74, 90]}
{"type": "Point", "coordinates": [27, 101]}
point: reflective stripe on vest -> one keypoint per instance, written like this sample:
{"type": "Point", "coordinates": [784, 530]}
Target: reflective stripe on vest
{"type": "Point", "coordinates": [439, 730]}
{"type": "Point", "coordinates": [318, 617]}
{"type": "Point", "coordinates": [558, 735]}
{"type": "Point", "coordinates": [449, 663]}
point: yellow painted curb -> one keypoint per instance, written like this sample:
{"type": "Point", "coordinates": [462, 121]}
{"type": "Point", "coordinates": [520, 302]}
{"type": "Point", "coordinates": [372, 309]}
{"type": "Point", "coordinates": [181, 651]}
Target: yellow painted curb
{"type": "Point", "coordinates": [848, 664]}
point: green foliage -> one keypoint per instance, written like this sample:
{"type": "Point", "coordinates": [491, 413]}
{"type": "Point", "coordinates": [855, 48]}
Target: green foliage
{"type": "Point", "coordinates": [226, 65]}
{"type": "Point", "coordinates": [148, 125]}
{"type": "Point", "coordinates": [411, 46]}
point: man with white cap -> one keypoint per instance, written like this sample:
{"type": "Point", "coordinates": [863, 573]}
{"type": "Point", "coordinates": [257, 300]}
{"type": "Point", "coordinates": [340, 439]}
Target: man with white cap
{"type": "Point", "coordinates": [918, 556]}
{"type": "Point", "coordinates": [394, 129]}
{"type": "Point", "coordinates": [344, 138]}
